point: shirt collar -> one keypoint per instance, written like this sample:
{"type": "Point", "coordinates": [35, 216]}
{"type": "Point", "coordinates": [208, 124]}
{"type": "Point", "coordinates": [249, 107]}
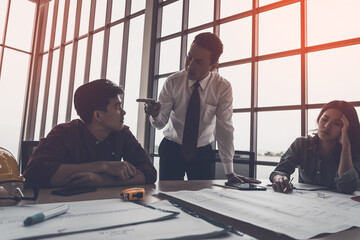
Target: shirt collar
{"type": "Point", "coordinates": [87, 135]}
{"type": "Point", "coordinates": [203, 82]}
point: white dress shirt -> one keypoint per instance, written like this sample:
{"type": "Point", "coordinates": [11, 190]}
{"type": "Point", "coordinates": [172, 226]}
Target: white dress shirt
{"type": "Point", "coordinates": [215, 112]}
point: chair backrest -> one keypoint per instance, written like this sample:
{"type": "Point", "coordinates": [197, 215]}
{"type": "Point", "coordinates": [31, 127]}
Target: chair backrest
{"type": "Point", "coordinates": [244, 164]}
{"type": "Point", "coordinates": [27, 149]}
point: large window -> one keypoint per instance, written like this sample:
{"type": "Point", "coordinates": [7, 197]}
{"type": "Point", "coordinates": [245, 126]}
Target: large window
{"type": "Point", "coordinates": [74, 42]}
{"type": "Point", "coordinates": [85, 41]}
{"type": "Point", "coordinates": [16, 29]}
{"type": "Point", "coordinates": [284, 59]}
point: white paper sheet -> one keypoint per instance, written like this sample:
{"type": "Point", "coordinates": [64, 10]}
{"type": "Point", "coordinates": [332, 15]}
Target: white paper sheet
{"type": "Point", "coordinates": [182, 226]}
{"type": "Point", "coordinates": [308, 187]}
{"type": "Point", "coordinates": [301, 214]}
{"type": "Point", "coordinates": [102, 213]}
{"type": "Point", "coordinates": [82, 215]}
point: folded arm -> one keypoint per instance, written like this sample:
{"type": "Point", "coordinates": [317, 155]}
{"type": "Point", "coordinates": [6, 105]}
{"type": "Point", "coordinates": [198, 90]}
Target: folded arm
{"type": "Point", "coordinates": [103, 173]}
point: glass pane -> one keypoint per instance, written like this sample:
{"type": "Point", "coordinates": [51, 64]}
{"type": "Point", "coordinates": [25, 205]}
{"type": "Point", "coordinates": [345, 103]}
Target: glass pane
{"type": "Point", "coordinates": [276, 131]}
{"type": "Point", "coordinates": [332, 20]}
{"type": "Point", "coordinates": [240, 78]}
{"type": "Point", "coordinates": [231, 7]}
{"type": "Point", "coordinates": [241, 122]}
{"type": "Point", "coordinates": [71, 21]}
{"type": "Point", "coordinates": [64, 91]}
{"type": "Point", "coordinates": [96, 56]}
{"type": "Point", "coordinates": [200, 12]}
{"type": "Point", "coordinates": [12, 84]}
{"type": "Point", "coordinates": [20, 27]}
{"type": "Point", "coordinates": [132, 84]}
{"type": "Point", "coordinates": [49, 26]}
{"type": "Point", "coordinates": [51, 99]}
{"type": "Point", "coordinates": [279, 29]}
{"type": "Point", "coordinates": [59, 23]}
{"type": "Point", "coordinates": [263, 172]}
{"type": "Point", "coordinates": [85, 16]}
{"type": "Point", "coordinates": [79, 70]}
{"type": "Point", "coordinates": [118, 10]}
{"type": "Point", "coordinates": [169, 56]}
{"type": "Point", "coordinates": [312, 123]}
{"type": "Point", "coordinates": [171, 18]}
{"type": "Point", "coordinates": [3, 10]}
{"type": "Point", "coordinates": [279, 81]}
{"type": "Point", "coordinates": [266, 2]}
{"type": "Point", "coordinates": [114, 57]}
{"type": "Point", "coordinates": [137, 5]}
{"type": "Point", "coordinates": [236, 37]}
{"type": "Point", "coordinates": [41, 97]}
{"type": "Point", "coordinates": [334, 74]}
{"type": "Point", "coordinates": [161, 82]}
{"type": "Point", "coordinates": [100, 13]}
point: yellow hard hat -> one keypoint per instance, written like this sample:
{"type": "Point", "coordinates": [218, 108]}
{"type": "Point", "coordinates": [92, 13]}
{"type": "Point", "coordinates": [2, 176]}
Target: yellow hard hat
{"type": "Point", "coordinates": [9, 169]}
{"type": "Point", "coordinates": [11, 180]}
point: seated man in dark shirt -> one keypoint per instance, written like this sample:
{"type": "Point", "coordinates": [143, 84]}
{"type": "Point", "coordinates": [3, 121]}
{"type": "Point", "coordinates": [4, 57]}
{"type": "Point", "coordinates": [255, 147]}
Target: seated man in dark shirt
{"type": "Point", "coordinates": [90, 151]}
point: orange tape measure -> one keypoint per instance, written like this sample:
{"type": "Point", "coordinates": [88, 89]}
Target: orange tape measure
{"type": "Point", "coordinates": [133, 194]}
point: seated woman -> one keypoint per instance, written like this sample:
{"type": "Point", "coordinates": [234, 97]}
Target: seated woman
{"type": "Point", "coordinates": [329, 158]}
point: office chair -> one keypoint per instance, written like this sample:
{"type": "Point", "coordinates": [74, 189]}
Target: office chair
{"type": "Point", "coordinates": [244, 164]}
{"type": "Point", "coordinates": [27, 149]}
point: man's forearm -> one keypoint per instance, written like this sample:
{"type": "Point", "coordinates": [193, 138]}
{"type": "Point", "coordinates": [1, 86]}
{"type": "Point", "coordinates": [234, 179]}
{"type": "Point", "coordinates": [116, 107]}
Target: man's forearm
{"type": "Point", "coordinates": [345, 160]}
{"type": "Point", "coordinates": [66, 170]}
{"type": "Point", "coordinates": [107, 180]}
{"type": "Point", "coordinates": [60, 177]}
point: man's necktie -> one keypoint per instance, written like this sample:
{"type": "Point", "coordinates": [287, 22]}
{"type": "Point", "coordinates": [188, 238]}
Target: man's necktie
{"type": "Point", "coordinates": [191, 128]}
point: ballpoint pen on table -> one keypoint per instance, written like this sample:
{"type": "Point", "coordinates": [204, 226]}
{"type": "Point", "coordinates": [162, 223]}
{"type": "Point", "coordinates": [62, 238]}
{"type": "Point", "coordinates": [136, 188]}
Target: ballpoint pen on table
{"type": "Point", "coordinates": [39, 217]}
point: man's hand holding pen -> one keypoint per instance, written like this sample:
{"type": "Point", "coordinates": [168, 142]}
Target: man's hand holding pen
{"type": "Point", "coordinates": [282, 184]}
{"type": "Point", "coordinates": [151, 107]}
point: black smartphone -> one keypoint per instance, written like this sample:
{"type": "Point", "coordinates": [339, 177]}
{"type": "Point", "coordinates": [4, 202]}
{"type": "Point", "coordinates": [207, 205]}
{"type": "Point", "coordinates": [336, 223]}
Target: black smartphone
{"type": "Point", "coordinates": [69, 191]}
{"type": "Point", "coordinates": [246, 186]}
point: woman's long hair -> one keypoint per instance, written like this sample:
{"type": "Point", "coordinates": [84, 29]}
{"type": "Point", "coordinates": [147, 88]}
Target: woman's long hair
{"type": "Point", "coordinates": [349, 111]}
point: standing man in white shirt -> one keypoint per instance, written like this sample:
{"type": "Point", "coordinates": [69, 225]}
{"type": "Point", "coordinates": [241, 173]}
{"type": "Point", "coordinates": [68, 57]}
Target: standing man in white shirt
{"type": "Point", "coordinates": [215, 113]}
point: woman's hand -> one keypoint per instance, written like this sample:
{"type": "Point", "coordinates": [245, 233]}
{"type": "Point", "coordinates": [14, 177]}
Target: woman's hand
{"type": "Point", "coordinates": [281, 184]}
{"type": "Point", "coordinates": [344, 138]}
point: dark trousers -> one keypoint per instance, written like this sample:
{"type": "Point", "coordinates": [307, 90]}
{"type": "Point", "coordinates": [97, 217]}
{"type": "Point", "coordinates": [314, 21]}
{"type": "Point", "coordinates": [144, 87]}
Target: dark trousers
{"type": "Point", "coordinates": [173, 166]}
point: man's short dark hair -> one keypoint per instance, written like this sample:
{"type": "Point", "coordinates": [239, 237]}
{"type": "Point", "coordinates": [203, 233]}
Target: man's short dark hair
{"type": "Point", "coordinates": [212, 43]}
{"type": "Point", "coordinates": [94, 96]}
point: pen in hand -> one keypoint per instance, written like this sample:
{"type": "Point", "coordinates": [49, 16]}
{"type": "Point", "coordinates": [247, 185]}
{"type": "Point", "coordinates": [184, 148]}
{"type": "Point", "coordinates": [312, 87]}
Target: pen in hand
{"type": "Point", "coordinates": [286, 189]}
{"type": "Point", "coordinates": [39, 217]}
